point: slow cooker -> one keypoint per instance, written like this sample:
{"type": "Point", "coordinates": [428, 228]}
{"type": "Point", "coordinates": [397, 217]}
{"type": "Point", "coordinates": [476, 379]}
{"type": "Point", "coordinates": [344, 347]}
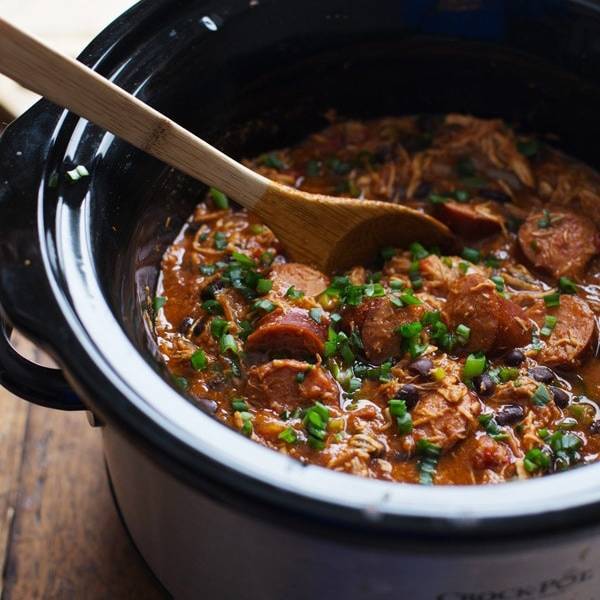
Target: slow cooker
{"type": "Point", "coordinates": [214, 514]}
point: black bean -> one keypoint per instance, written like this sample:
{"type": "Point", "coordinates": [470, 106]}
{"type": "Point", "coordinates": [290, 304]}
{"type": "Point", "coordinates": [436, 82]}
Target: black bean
{"type": "Point", "coordinates": [484, 385]}
{"type": "Point", "coordinates": [510, 414]}
{"type": "Point", "coordinates": [495, 195]}
{"type": "Point", "coordinates": [186, 324]}
{"type": "Point", "coordinates": [208, 293]}
{"type": "Point", "coordinates": [595, 426]}
{"type": "Point", "coordinates": [542, 374]}
{"type": "Point", "coordinates": [423, 190]}
{"type": "Point", "coordinates": [421, 366]}
{"type": "Point", "coordinates": [198, 328]}
{"type": "Point", "coordinates": [561, 397]}
{"type": "Point", "coordinates": [410, 394]}
{"type": "Point", "coordinates": [514, 358]}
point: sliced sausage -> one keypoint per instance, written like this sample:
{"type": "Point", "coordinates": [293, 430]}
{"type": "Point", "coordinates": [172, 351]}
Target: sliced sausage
{"type": "Point", "coordinates": [573, 334]}
{"type": "Point", "coordinates": [302, 277]}
{"type": "Point", "coordinates": [446, 415]}
{"type": "Point", "coordinates": [495, 322]}
{"type": "Point", "coordinates": [558, 241]}
{"type": "Point", "coordinates": [376, 320]}
{"type": "Point", "coordinates": [292, 332]}
{"type": "Point", "coordinates": [468, 220]}
{"type": "Point", "coordinates": [286, 384]}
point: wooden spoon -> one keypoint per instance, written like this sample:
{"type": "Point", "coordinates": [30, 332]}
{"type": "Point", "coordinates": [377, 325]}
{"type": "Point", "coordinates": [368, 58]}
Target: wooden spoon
{"type": "Point", "coordinates": [330, 233]}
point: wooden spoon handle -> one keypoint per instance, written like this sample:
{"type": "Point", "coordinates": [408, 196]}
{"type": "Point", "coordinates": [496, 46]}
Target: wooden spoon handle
{"type": "Point", "coordinates": [72, 85]}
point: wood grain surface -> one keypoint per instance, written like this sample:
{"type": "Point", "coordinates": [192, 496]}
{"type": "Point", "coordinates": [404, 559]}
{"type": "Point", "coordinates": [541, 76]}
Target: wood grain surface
{"type": "Point", "coordinates": [60, 534]}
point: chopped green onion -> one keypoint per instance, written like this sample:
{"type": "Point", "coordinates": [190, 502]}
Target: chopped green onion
{"type": "Point", "coordinates": [417, 251]}
{"type": "Point", "coordinates": [199, 360]}
{"type": "Point", "coordinates": [508, 374]}
{"type": "Point", "coordinates": [264, 305]}
{"type": "Point", "coordinates": [396, 302]}
{"type": "Point", "coordinates": [552, 300]}
{"type": "Point", "coordinates": [218, 327]}
{"type": "Point", "coordinates": [300, 377]}
{"type": "Point", "coordinates": [158, 303]}
{"type": "Point", "coordinates": [239, 405]}
{"type": "Point", "coordinates": [244, 260]}
{"type": "Point", "coordinates": [208, 269]}
{"type": "Point", "coordinates": [315, 421]}
{"type": "Point", "coordinates": [293, 293]}
{"type": "Point", "coordinates": [396, 284]}
{"type": "Point", "coordinates": [499, 281]}
{"type": "Point", "coordinates": [546, 220]}
{"type": "Point", "coordinates": [288, 435]}
{"type": "Point", "coordinates": [567, 286]}
{"type": "Point", "coordinates": [541, 396]}
{"type": "Point", "coordinates": [77, 173]}
{"type": "Point", "coordinates": [463, 333]}
{"type": "Point", "coordinates": [263, 286]}
{"type": "Point", "coordinates": [403, 418]}
{"type": "Point", "coordinates": [463, 267]}
{"type": "Point", "coordinates": [316, 314]}
{"type": "Point", "coordinates": [335, 318]}
{"type": "Point", "coordinates": [536, 460]}
{"type": "Point", "coordinates": [227, 343]}
{"type": "Point", "coordinates": [549, 325]}
{"type": "Point", "coordinates": [474, 366]}
{"type": "Point", "coordinates": [181, 382]}
{"type": "Point", "coordinates": [567, 423]}
{"type": "Point", "coordinates": [431, 317]}
{"type": "Point", "coordinates": [409, 330]}
{"type": "Point", "coordinates": [429, 455]}
{"type": "Point", "coordinates": [471, 254]}
{"type": "Point", "coordinates": [219, 198]}
{"type": "Point", "coordinates": [212, 307]}
{"type": "Point", "coordinates": [410, 299]}
{"type": "Point", "coordinates": [220, 240]}
{"type": "Point", "coordinates": [489, 423]}
{"type": "Point", "coordinates": [246, 423]}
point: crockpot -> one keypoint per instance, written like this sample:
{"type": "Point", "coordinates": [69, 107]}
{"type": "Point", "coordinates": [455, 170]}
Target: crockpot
{"type": "Point", "coordinates": [214, 514]}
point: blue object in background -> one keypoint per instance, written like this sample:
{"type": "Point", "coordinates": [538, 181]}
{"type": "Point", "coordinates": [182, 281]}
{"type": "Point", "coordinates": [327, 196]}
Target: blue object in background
{"type": "Point", "coordinates": [477, 19]}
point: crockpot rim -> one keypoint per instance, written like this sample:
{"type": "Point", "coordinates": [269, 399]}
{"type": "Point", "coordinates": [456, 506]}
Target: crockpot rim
{"type": "Point", "coordinates": [146, 423]}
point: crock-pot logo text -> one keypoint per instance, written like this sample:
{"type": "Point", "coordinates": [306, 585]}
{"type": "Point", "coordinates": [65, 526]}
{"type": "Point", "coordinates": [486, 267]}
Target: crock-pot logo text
{"type": "Point", "coordinates": [549, 588]}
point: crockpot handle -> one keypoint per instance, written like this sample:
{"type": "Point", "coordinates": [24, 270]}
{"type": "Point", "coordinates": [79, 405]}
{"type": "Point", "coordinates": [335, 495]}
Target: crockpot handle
{"type": "Point", "coordinates": [40, 385]}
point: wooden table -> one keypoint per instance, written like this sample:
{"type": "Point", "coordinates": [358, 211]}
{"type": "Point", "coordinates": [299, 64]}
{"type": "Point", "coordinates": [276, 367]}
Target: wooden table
{"type": "Point", "coordinates": [60, 533]}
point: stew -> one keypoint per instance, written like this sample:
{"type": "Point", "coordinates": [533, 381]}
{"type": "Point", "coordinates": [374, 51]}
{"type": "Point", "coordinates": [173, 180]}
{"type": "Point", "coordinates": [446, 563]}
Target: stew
{"type": "Point", "coordinates": [476, 367]}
